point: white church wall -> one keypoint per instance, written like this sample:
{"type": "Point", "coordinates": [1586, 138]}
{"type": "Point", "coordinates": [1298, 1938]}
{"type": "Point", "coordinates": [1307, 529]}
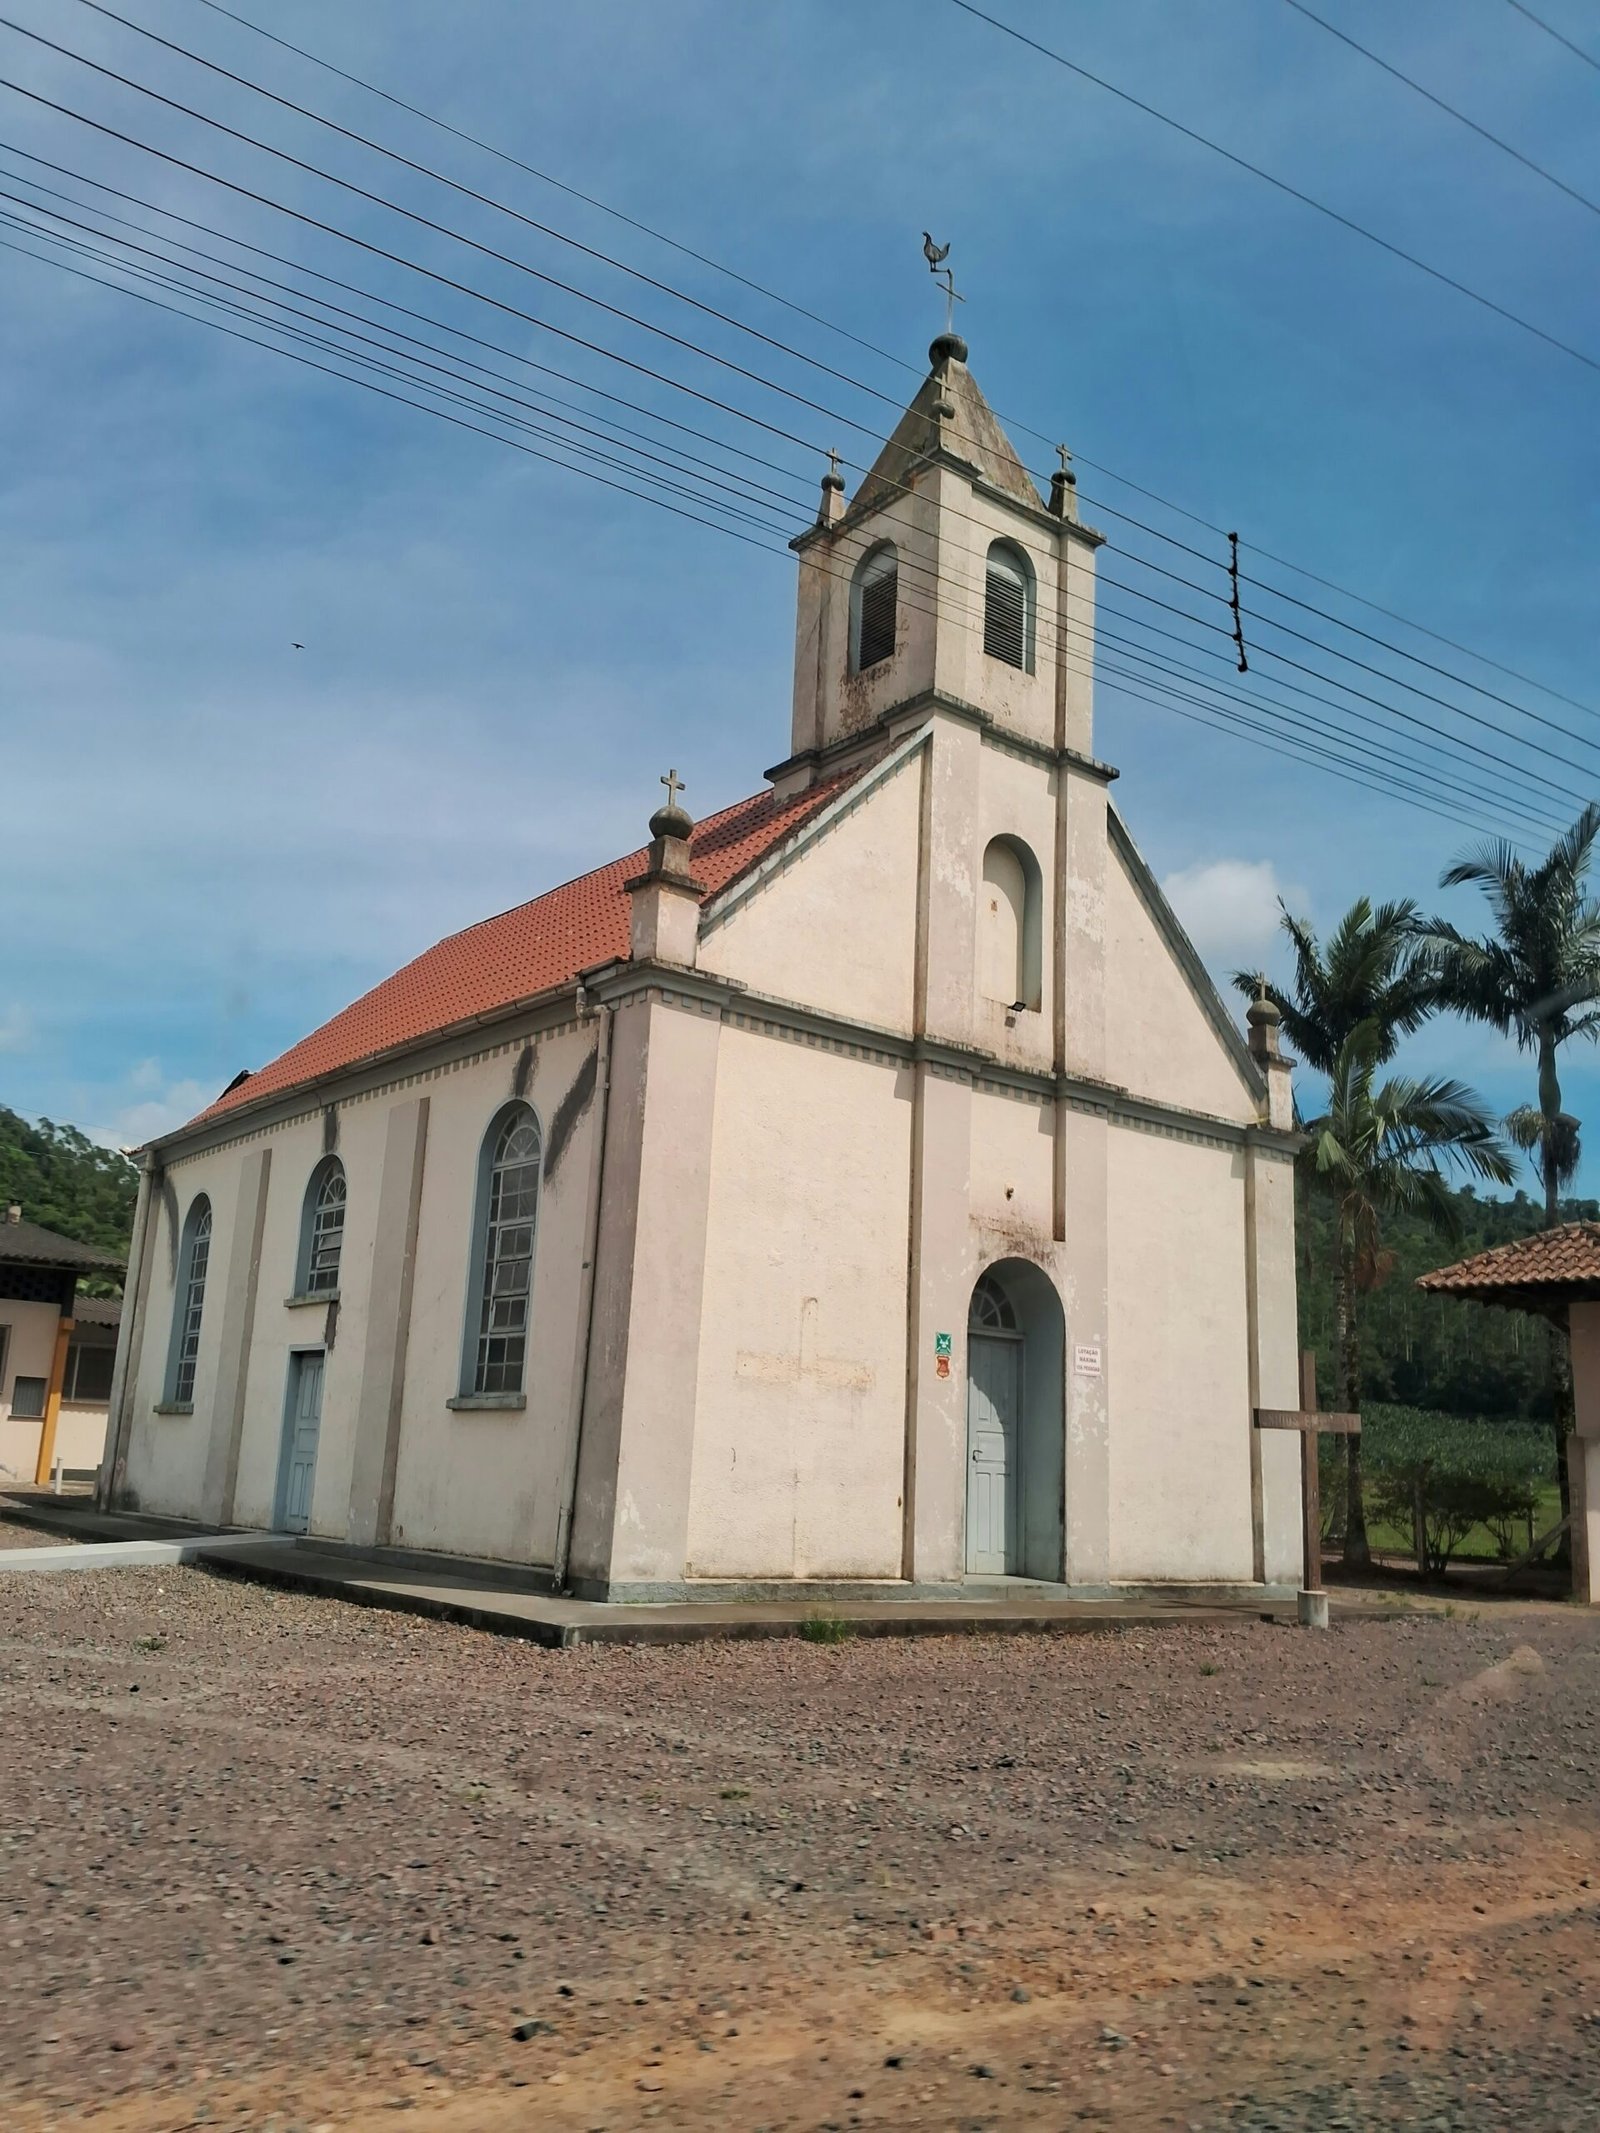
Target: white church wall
{"type": "Point", "coordinates": [800, 1431]}
{"type": "Point", "coordinates": [836, 928]}
{"type": "Point", "coordinates": [167, 1453]}
{"type": "Point", "coordinates": [487, 1482]}
{"type": "Point", "coordinates": [1160, 1042]}
{"type": "Point", "coordinates": [1013, 1173]}
{"type": "Point", "coordinates": [1178, 1360]}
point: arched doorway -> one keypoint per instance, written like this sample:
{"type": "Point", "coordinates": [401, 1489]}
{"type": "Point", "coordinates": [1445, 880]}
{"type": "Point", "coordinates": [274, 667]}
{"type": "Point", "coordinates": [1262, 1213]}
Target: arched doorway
{"type": "Point", "coordinates": [1016, 1346]}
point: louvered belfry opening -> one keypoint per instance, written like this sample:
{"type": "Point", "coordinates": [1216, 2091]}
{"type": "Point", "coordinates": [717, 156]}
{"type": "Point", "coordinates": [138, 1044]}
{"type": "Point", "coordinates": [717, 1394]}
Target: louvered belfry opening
{"type": "Point", "coordinates": [878, 592]}
{"type": "Point", "coordinates": [1005, 608]}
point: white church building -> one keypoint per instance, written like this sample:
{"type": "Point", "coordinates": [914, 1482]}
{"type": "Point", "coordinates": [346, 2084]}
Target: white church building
{"type": "Point", "coordinates": [864, 1183]}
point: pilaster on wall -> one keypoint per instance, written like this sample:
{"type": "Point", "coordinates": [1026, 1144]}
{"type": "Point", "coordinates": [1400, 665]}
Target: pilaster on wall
{"type": "Point", "coordinates": [1084, 1262]}
{"type": "Point", "coordinates": [1081, 924]}
{"type": "Point", "coordinates": [383, 1359]}
{"type": "Point", "coordinates": [939, 1281]}
{"type": "Point", "coordinates": [948, 868]}
{"type": "Point", "coordinates": [233, 1346]}
{"type": "Point", "coordinates": [1274, 1363]}
{"type": "Point", "coordinates": [631, 1520]}
{"type": "Point", "coordinates": [130, 1340]}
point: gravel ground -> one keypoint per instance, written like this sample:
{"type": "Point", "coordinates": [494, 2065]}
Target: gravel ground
{"type": "Point", "coordinates": [273, 1861]}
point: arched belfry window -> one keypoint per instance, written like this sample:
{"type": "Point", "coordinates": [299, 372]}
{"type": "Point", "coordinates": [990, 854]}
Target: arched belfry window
{"type": "Point", "coordinates": [874, 594]}
{"type": "Point", "coordinates": [1009, 925]}
{"type": "Point", "coordinates": [1008, 604]}
{"type": "Point", "coordinates": [322, 1230]}
{"type": "Point", "coordinates": [188, 1303]}
{"type": "Point", "coordinates": [501, 1298]}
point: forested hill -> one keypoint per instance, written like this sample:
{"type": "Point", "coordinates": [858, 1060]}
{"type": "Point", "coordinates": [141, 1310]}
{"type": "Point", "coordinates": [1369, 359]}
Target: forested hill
{"type": "Point", "coordinates": [61, 1179]}
{"type": "Point", "coordinates": [1433, 1351]}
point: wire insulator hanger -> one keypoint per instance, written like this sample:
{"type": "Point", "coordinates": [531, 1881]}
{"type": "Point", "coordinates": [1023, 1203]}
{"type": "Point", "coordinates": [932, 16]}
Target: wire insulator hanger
{"type": "Point", "coordinates": [1233, 600]}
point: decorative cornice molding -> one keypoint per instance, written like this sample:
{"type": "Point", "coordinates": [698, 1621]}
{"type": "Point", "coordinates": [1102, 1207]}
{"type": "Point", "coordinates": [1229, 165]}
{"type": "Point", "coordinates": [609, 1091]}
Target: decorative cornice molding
{"type": "Point", "coordinates": [927, 701]}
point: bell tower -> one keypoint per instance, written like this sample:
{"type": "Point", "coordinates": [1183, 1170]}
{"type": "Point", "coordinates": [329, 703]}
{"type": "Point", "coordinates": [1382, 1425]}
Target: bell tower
{"type": "Point", "coordinates": [945, 581]}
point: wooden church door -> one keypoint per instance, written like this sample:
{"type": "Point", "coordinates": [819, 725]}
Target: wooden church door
{"type": "Point", "coordinates": [302, 1424]}
{"type": "Point", "coordinates": [994, 1405]}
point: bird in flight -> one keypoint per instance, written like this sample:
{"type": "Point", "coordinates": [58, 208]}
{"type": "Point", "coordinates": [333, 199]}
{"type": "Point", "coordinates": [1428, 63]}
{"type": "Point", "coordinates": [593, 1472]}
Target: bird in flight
{"type": "Point", "coordinates": [934, 254]}
{"type": "Point", "coordinates": [297, 647]}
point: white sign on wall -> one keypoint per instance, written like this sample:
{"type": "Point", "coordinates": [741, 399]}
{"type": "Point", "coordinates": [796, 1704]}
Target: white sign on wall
{"type": "Point", "coordinates": [1086, 1360]}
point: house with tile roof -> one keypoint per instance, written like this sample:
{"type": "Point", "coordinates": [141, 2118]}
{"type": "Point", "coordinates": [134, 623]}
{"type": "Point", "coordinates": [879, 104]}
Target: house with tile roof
{"type": "Point", "coordinates": [865, 1183]}
{"type": "Point", "coordinates": [56, 1350]}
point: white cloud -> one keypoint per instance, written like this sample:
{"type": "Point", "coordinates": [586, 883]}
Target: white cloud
{"type": "Point", "coordinates": [1229, 908]}
{"type": "Point", "coordinates": [153, 1105]}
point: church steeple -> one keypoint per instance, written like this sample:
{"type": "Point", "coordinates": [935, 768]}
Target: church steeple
{"type": "Point", "coordinates": [945, 578]}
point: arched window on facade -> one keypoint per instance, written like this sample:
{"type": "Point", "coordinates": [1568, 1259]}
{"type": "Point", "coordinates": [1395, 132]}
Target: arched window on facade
{"type": "Point", "coordinates": [502, 1263]}
{"type": "Point", "coordinates": [1008, 605]}
{"type": "Point", "coordinates": [188, 1303]}
{"type": "Point", "coordinates": [991, 1309]}
{"type": "Point", "coordinates": [322, 1230]}
{"type": "Point", "coordinates": [874, 593]}
{"type": "Point", "coordinates": [1009, 958]}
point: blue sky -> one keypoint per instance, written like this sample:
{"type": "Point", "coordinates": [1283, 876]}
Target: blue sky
{"type": "Point", "coordinates": [213, 841]}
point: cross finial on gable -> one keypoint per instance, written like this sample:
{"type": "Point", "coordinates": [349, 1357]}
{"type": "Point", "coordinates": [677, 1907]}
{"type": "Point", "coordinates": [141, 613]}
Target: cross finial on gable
{"type": "Point", "coordinates": [674, 785]}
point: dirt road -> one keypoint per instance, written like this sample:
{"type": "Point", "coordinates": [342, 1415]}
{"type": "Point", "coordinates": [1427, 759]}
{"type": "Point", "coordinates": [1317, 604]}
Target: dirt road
{"type": "Point", "coordinates": [272, 1861]}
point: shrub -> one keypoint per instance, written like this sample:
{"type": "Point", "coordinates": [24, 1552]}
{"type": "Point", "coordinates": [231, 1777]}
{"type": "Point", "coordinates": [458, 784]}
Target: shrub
{"type": "Point", "coordinates": [1438, 1476]}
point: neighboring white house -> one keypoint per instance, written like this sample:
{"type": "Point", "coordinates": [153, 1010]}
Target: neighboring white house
{"type": "Point", "coordinates": [864, 1183]}
{"type": "Point", "coordinates": [56, 1352]}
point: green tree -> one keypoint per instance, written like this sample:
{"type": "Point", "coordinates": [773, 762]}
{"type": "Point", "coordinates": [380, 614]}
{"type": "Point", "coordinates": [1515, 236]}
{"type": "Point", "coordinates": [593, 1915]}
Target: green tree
{"type": "Point", "coordinates": [1381, 1149]}
{"type": "Point", "coordinates": [63, 1180]}
{"type": "Point", "coordinates": [1535, 979]}
{"type": "Point", "coordinates": [1372, 971]}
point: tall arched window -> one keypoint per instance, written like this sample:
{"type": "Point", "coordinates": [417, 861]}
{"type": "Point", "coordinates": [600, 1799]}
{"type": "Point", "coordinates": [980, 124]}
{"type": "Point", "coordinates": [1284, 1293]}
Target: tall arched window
{"type": "Point", "coordinates": [322, 1230]}
{"type": "Point", "coordinates": [502, 1265]}
{"type": "Point", "coordinates": [1008, 605]}
{"type": "Point", "coordinates": [1009, 946]}
{"type": "Point", "coordinates": [874, 592]}
{"type": "Point", "coordinates": [188, 1303]}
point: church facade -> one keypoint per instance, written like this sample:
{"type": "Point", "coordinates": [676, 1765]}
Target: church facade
{"type": "Point", "coordinates": [864, 1183]}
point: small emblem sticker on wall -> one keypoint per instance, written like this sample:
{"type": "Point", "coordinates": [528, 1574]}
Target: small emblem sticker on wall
{"type": "Point", "coordinates": [1086, 1360]}
{"type": "Point", "coordinates": [941, 1354]}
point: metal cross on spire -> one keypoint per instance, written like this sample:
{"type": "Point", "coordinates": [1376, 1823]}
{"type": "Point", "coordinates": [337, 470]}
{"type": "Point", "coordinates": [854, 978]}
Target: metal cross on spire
{"type": "Point", "coordinates": [936, 255]}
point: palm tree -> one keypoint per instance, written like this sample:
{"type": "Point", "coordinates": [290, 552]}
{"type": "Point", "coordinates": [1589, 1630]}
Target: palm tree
{"type": "Point", "coordinates": [1370, 976]}
{"type": "Point", "coordinates": [1535, 979]}
{"type": "Point", "coordinates": [1372, 971]}
{"type": "Point", "coordinates": [1382, 1148]}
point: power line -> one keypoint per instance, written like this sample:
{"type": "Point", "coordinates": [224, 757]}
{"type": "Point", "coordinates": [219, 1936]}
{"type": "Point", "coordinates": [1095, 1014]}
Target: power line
{"type": "Point", "coordinates": [1539, 23]}
{"type": "Point", "coordinates": [832, 326]}
{"type": "Point", "coordinates": [741, 370]}
{"type": "Point", "coordinates": [1282, 185]}
{"type": "Point", "coordinates": [1396, 788]}
{"type": "Point", "coordinates": [1378, 702]}
{"type": "Point", "coordinates": [545, 177]}
{"type": "Point", "coordinates": [426, 170]}
{"type": "Point", "coordinates": [1439, 103]}
{"type": "Point", "coordinates": [1327, 649]}
{"type": "Point", "coordinates": [409, 214]}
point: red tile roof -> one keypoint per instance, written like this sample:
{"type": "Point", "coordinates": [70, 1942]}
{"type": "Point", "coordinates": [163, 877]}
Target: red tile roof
{"type": "Point", "coordinates": [1549, 1268]}
{"type": "Point", "coordinates": [536, 948]}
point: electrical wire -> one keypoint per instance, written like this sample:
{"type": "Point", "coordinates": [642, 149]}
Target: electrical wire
{"type": "Point", "coordinates": [1283, 185]}
{"type": "Point", "coordinates": [1397, 788]}
{"type": "Point", "coordinates": [1539, 23]}
{"type": "Point", "coordinates": [832, 326]}
{"type": "Point", "coordinates": [1438, 102]}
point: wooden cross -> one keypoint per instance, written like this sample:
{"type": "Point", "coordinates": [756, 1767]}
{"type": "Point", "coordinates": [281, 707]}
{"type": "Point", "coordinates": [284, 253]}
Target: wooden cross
{"type": "Point", "coordinates": [1311, 1424]}
{"type": "Point", "coordinates": [674, 785]}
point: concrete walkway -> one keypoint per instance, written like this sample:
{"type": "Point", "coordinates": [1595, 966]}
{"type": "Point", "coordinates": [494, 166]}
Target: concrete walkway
{"type": "Point", "coordinates": [496, 1598]}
